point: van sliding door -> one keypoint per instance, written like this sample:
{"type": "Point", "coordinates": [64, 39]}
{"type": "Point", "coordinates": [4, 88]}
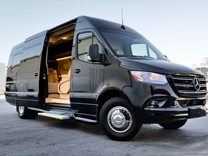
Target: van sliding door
{"type": "Point", "coordinates": [29, 72]}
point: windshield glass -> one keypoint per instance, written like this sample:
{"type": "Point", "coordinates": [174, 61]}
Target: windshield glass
{"type": "Point", "coordinates": [130, 45]}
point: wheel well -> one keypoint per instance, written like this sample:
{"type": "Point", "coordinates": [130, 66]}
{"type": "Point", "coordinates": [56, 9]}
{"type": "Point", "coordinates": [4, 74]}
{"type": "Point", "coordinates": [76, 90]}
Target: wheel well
{"type": "Point", "coordinates": [107, 96]}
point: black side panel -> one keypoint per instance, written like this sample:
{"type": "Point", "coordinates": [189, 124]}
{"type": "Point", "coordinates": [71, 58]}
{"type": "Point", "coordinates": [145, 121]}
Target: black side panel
{"type": "Point", "coordinates": [43, 79]}
{"type": "Point", "coordinates": [87, 77]}
{"type": "Point", "coordinates": [24, 72]}
{"type": "Point", "coordinates": [84, 97]}
{"type": "Point", "coordinates": [12, 74]}
{"type": "Point", "coordinates": [11, 100]}
{"type": "Point", "coordinates": [28, 103]}
{"type": "Point", "coordinates": [86, 110]}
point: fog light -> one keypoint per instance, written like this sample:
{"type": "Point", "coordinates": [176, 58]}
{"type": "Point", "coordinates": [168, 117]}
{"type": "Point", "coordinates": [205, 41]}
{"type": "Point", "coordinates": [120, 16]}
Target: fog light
{"type": "Point", "coordinates": [157, 104]}
{"type": "Point", "coordinates": [154, 104]}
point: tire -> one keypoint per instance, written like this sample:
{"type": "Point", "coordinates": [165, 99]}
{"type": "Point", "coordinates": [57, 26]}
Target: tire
{"type": "Point", "coordinates": [174, 124]}
{"type": "Point", "coordinates": [25, 113]}
{"type": "Point", "coordinates": [117, 120]}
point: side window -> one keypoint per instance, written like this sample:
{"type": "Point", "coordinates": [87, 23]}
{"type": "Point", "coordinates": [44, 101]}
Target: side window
{"type": "Point", "coordinates": [84, 42]}
{"type": "Point", "coordinates": [31, 59]}
{"type": "Point", "coordinates": [16, 64]}
{"type": "Point", "coordinates": [10, 61]}
{"type": "Point", "coordinates": [16, 60]}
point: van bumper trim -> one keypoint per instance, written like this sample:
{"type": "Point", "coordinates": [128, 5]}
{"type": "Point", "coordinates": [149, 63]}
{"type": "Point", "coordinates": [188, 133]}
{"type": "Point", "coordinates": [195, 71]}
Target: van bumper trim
{"type": "Point", "coordinates": [189, 112]}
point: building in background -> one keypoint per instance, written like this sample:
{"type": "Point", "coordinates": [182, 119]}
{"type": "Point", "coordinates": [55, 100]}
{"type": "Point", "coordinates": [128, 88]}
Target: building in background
{"type": "Point", "coordinates": [2, 78]}
{"type": "Point", "coordinates": [202, 65]}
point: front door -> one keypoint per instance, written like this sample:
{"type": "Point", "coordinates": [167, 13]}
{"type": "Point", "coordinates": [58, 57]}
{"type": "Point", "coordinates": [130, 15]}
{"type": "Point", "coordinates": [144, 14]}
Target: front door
{"type": "Point", "coordinates": [87, 77]}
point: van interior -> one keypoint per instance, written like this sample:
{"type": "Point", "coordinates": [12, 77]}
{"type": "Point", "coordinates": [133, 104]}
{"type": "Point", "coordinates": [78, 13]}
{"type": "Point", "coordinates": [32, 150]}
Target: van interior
{"type": "Point", "coordinates": [59, 66]}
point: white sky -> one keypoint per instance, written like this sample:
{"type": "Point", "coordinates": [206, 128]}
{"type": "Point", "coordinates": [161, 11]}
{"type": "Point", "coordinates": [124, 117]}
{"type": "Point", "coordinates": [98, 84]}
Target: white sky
{"type": "Point", "coordinates": [178, 28]}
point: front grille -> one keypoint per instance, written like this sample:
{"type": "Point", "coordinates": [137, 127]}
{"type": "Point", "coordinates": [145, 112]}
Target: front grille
{"type": "Point", "coordinates": [189, 85]}
{"type": "Point", "coordinates": [195, 102]}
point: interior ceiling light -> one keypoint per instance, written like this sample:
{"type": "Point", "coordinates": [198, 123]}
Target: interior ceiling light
{"type": "Point", "coordinates": [63, 58]}
{"type": "Point", "coordinates": [66, 36]}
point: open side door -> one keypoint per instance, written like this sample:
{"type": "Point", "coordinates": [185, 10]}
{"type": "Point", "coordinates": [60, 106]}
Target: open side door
{"type": "Point", "coordinates": [30, 72]}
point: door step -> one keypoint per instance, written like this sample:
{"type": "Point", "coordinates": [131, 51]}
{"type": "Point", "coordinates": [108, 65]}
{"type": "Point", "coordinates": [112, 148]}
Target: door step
{"type": "Point", "coordinates": [58, 100]}
{"type": "Point", "coordinates": [56, 116]}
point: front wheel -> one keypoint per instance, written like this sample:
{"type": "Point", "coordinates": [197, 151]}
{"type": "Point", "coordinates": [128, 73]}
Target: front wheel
{"type": "Point", "coordinates": [174, 124]}
{"type": "Point", "coordinates": [117, 120]}
{"type": "Point", "coordinates": [25, 113]}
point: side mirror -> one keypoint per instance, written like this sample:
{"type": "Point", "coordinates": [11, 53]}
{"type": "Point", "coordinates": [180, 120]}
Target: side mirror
{"type": "Point", "coordinates": [94, 53]}
{"type": "Point", "coordinates": [166, 56]}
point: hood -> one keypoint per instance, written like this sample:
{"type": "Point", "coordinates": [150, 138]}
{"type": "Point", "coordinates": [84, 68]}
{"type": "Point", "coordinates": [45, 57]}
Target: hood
{"type": "Point", "coordinates": [155, 65]}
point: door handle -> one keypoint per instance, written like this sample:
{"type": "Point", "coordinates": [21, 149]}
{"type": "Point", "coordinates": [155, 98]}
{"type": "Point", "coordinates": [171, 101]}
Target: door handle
{"type": "Point", "coordinates": [77, 71]}
{"type": "Point", "coordinates": [36, 74]}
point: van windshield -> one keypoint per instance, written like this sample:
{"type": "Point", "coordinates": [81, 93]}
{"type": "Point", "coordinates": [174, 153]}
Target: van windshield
{"type": "Point", "coordinates": [131, 45]}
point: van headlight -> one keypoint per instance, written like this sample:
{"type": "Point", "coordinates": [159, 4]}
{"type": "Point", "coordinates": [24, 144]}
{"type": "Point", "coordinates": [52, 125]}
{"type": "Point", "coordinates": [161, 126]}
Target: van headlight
{"type": "Point", "coordinates": [149, 77]}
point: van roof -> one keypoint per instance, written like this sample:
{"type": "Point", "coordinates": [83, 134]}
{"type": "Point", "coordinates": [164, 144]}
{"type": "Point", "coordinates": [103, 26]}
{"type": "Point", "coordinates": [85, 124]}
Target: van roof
{"type": "Point", "coordinates": [85, 22]}
{"type": "Point", "coordinates": [81, 22]}
{"type": "Point", "coordinates": [17, 48]}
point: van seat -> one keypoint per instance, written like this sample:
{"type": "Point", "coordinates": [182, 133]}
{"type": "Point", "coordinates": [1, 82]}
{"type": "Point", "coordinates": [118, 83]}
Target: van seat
{"type": "Point", "coordinates": [64, 84]}
{"type": "Point", "coordinates": [52, 81]}
{"type": "Point", "coordinates": [65, 69]}
{"type": "Point", "coordinates": [52, 75]}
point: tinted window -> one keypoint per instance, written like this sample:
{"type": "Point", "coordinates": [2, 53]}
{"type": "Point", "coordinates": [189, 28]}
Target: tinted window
{"type": "Point", "coordinates": [152, 53]}
{"type": "Point", "coordinates": [142, 50]}
{"type": "Point", "coordinates": [139, 49]}
{"type": "Point", "coordinates": [10, 61]}
{"type": "Point", "coordinates": [15, 66]}
{"type": "Point", "coordinates": [31, 52]}
{"type": "Point", "coordinates": [31, 59]}
{"type": "Point", "coordinates": [16, 60]}
{"type": "Point", "coordinates": [84, 42]}
{"type": "Point", "coordinates": [125, 44]}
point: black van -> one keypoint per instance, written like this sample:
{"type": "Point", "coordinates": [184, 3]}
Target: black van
{"type": "Point", "coordinates": [97, 71]}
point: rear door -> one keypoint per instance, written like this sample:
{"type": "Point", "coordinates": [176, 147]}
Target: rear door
{"type": "Point", "coordinates": [29, 71]}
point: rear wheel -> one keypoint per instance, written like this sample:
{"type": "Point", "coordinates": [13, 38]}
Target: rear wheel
{"type": "Point", "coordinates": [174, 124]}
{"type": "Point", "coordinates": [117, 119]}
{"type": "Point", "coordinates": [25, 113]}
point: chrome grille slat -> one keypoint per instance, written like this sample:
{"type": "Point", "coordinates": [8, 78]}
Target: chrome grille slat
{"type": "Point", "coordinates": [185, 86]}
{"type": "Point", "coordinates": [189, 92]}
{"type": "Point", "coordinates": [182, 78]}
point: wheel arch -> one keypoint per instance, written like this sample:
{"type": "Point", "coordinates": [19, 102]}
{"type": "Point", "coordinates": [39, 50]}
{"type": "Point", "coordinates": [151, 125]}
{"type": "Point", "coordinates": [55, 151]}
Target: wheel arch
{"type": "Point", "coordinates": [109, 94]}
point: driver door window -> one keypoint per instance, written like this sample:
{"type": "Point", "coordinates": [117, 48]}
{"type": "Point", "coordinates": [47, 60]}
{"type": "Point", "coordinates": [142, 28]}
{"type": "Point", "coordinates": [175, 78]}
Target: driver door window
{"type": "Point", "coordinates": [84, 42]}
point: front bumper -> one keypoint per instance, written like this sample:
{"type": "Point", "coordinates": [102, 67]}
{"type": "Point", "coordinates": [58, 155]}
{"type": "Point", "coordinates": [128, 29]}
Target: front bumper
{"type": "Point", "coordinates": [154, 103]}
{"type": "Point", "coordinates": [188, 112]}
